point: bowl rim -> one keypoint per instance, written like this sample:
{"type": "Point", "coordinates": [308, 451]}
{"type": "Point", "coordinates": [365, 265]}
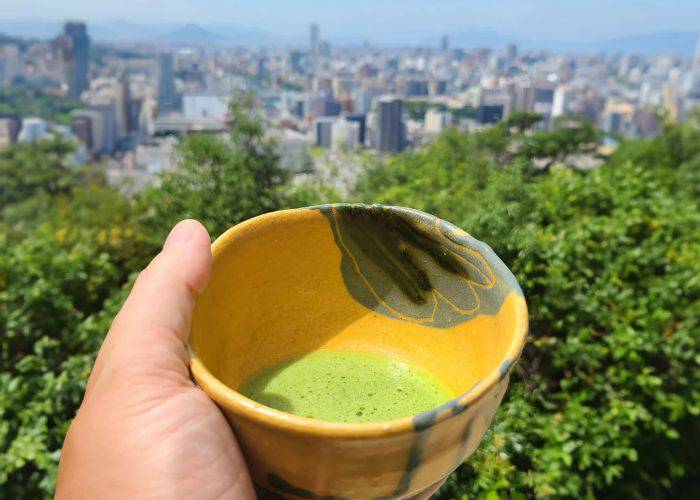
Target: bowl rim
{"type": "Point", "coordinates": [252, 411]}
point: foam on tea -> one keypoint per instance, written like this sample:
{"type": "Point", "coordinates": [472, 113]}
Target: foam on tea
{"type": "Point", "coordinates": [341, 386]}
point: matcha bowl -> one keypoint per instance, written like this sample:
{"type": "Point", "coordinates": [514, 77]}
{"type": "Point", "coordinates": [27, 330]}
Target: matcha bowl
{"type": "Point", "coordinates": [372, 281]}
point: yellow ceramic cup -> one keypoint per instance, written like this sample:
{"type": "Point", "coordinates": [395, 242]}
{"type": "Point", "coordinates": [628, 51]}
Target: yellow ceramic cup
{"type": "Point", "coordinates": [373, 279]}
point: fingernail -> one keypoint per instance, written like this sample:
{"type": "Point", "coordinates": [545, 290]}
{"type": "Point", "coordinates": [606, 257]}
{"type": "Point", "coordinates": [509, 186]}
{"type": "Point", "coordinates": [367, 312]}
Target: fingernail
{"type": "Point", "coordinates": [180, 234]}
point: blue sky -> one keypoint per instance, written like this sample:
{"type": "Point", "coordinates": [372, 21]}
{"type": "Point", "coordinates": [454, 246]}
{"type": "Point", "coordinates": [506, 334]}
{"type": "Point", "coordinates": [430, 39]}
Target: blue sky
{"type": "Point", "coordinates": [565, 20]}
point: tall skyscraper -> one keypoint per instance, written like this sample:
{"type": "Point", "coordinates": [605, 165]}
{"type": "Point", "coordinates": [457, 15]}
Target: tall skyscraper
{"type": "Point", "coordinates": [167, 100]}
{"type": "Point", "coordinates": [445, 43]}
{"type": "Point", "coordinates": [390, 127]}
{"type": "Point", "coordinates": [695, 85]}
{"type": "Point", "coordinates": [561, 101]}
{"type": "Point", "coordinates": [323, 131]}
{"type": "Point", "coordinates": [511, 52]}
{"type": "Point", "coordinates": [10, 66]}
{"type": "Point", "coordinates": [76, 57]}
{"type": "Point", "coordinates": [314, 32]}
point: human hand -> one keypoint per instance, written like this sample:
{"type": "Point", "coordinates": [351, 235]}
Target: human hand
{"type": "Point", "coordinates": [144, 430]}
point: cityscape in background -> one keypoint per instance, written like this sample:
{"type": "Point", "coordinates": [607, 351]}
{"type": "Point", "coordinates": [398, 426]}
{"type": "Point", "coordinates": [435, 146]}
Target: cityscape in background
{"type": "Point", "coordinates": [126, 104]}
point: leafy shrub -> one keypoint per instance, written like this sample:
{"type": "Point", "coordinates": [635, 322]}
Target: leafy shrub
{"type": "Point", "coordinates": [606, 399]}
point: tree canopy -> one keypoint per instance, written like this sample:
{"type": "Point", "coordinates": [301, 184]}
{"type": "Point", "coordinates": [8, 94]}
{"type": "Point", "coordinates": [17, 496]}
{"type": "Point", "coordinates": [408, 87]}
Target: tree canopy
{"type": "Point", "coordinates": [606, 398]}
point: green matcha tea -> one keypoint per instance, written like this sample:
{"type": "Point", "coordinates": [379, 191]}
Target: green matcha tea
{"type": "Point", "coordinates": [342, 386]}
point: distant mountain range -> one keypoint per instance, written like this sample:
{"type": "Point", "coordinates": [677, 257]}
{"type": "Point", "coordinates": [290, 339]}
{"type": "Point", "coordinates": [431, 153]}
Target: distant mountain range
{"type": "Point", "coordinates": [210, 34]}
{"type": "Point", "coordinates": [682, 42]}
{"type": "Point", "coordinates": [126, 31]}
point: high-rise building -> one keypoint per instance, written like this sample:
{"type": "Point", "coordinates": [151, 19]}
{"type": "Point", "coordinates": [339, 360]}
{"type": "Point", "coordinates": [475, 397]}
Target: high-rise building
{"type": "Point", "coordinates": [323, 131]}
{"type": "Point", "coordinates": [9, 130]}
{"type": "Point", "coordinates": [314, 38]}
{"type": "Point", "coordinates": [345, 135]}
{"type": "Point", "coordinates": [324, 49]}
{"type": "Point", "coordinates": [362, 100]}
{"type": "Point", "coordinates": [167, 99]}
{"type": "Point", "coordinates": [488, 114]}
{"type": "Point", "coordinates": [511, 52]}
{"type": "Point", "coordinates": [694, 91]}
{"type": "Point", "coordinates": [314, 32]}
{"type": "Point", "coordinates": [93, 138]}
{"type": "Point", "coordinates": [436, 121]}
{"type": "Point", "coordinates": [561, 101]}
{"type": "Point", "coordinates": [415, 87]}
{"type": "Point", "coordinates": [76, 57]}
{"type": "Point", "coordinates": [33, 129]}
{"type": "Point", "coordinates": [82, 128]}
{"type": "Point", "coordinates": [390, 129]}
{"type": "Point", "coordinates": [445, 43]}
{"type": "Point", "coordinates": [295, 62]}
{"type": "Point", "coordinates": [360, 118]}
{"type": "Point", "coordinates": [10, 67]}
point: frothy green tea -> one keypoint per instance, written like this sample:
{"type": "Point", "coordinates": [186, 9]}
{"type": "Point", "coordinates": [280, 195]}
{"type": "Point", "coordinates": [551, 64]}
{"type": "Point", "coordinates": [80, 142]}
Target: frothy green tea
{"type": "Point", "coordinates": [340, 386]}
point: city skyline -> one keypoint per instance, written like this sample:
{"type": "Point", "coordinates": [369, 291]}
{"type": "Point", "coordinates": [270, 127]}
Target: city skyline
{"type": "Point", "coordinates": [387, 21]}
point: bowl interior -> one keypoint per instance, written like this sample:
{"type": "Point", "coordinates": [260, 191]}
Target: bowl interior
{"type": "Point", "coordinates": [372, 279]}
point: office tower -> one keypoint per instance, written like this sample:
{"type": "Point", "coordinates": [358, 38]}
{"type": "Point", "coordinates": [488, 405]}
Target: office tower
{"type": "Point", "coordinates": [361, 119]}
{"type": "Point", "coordinates": [33, 129]}
{"type": "Point", "coordinates": [94, 138]}
{"type": "Point", "coordinates": [134, 112]}
{"type": "Point", "coordinates": [76, 56]}
{"type": "Point", "coordinates": [205, 104]}
{"type": "Point", "coordinates": [437, 87]}
{"type": "Point", "coordinates": [314, 34]}
{"type": "Point", "coordinates": [103, 124]}
{"type": "Point", "coordinates": [331, 107]}
{"type": "Point", "coordinates": [543, 100]}
{"type": "Point", "coordinates": [10, 67]}
{"type": "Point", "coordinates": [367, 70]}
{"type": "Point", "coordinates": [314, 40]}
{"type": "Point", "coordinates": [362, 100]}
{"type": "Point", "coordinates": [561, 101]}
{"type": "Point", "coordinates": [345, 135]}
{"type": "Point", "coordinates": [671, 101]}
{"type": "Point", "coordinates": [436, 121]}
{"type": "Point", "coordinates": [694, 91]}
{"type": "Point", "coordinates": [343, 85]}
{"type": "Point", "coordinates": [261, 66]}
{"type": "Point", "coordinates": [324, 49]}
{"type": "Point", "coordinates": [323, 131]}
{"type": "Point", "coordinates": [167, 100]}
{"type": "Point", "coordinates": [82, 128]}
{"type": "Point", "coordinates": [445, 43]}
{"type": "Point", "coordinates": [489, 113]}
{"type": "Point", "coordinates": [322, 85]}
{"type": "Point", "coordinates": [511, 52]}
{"type": "Point", "coordinates": [415, 87]}
{"type": "Point", "coordinates": [295, 62]}
{"type": "Point", "coordinates": [390, 127]}
{"type": "Point", "coordinates": [9, 130]}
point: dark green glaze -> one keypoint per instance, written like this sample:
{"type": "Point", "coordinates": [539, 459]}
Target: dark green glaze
{"type": "Point", "coordinates": [285, 488]}
{"type": "Point", "coordinates": [410, 265]}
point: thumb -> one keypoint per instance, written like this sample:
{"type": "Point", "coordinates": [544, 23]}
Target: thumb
{"type": "Point", "coordinates": [149, 332]}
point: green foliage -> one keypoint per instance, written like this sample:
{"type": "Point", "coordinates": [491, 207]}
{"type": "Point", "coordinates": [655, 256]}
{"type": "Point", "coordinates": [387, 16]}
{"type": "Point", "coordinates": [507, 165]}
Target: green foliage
{"type": "Point", "coordinates": [570, 136]}
{"type": "Point", "coordinates": [27, 169]}
{"type": "Point", "coordinates": [64, 257]}
{"type": "Point", "coordinates": [606, 399]}
{"type": "Point", "coordinates": [24, 102]}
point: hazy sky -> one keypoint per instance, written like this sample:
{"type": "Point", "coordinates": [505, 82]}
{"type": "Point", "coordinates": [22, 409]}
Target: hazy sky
{"type": "Point", "coordinates": [563, 20]}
